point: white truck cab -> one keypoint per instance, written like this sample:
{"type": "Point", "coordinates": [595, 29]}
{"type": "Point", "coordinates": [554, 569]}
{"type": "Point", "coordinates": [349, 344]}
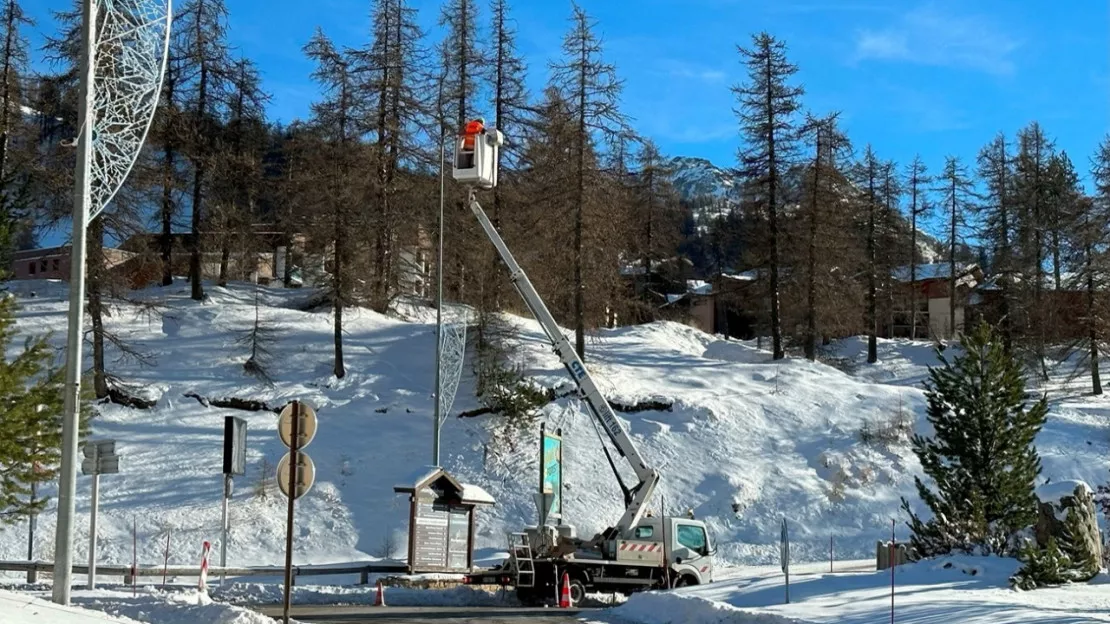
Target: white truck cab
{"type": "Point", "coordinates": [684, 543]}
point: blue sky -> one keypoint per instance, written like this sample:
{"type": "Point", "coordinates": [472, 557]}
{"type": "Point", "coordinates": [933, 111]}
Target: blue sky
{"type": "Point", "coordinates": [933, 77]}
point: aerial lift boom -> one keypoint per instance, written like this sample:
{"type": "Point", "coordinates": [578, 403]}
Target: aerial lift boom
{"type": "Point", "coordinates": [476, 166]}
{"type": "Point", "coordinates": [599, 408]}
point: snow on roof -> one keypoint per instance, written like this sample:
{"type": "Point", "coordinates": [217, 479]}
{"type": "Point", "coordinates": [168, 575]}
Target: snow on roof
{"type": "Point", "coordinates": [1056, 490]}
{"type": "Point", "coordinates": [699, 287]}
{"type": "Point", "coordinates": [938, 270]}
{"type": "Point", "coordinates": [420, 475]}
{"type": "Point", "coordinates": [744, 276]}
{"type": "Point", "coordinates": [475, 494]}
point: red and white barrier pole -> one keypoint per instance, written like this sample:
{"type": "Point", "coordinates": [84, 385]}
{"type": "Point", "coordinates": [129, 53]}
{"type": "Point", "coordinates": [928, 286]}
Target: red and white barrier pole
{"type": "Point", "coordinates": [203, 582]}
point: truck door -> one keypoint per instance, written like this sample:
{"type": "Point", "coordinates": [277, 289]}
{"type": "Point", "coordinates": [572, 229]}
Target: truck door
{"type": "Point", "coordinates": [690, 551]}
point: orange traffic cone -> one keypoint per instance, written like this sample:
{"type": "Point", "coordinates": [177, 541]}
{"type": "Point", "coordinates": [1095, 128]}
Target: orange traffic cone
{"type": "Point", "coordinates": [564, 595]}
{"type": "Point", "coordinates": [379, 599]}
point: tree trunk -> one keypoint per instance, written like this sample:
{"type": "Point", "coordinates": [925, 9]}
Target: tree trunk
{"type": "Point", "coordinates": [580, 199]}
{"type": "Point", "coordinates": [6, 96]}
{"type": "Point", "coordinates": [811, 277]}
{"type": "Point", "coordinates": [952, 263]}
{"type": "Point", "coordinates": [337, 294]}
{"type": "Point", "coordinates": [95, 285]}
{"type": "Point", "coordinates": [1092, 326]}
{"type": "Point", "coordinates": [773, 218]}
{"type": "Point", "coordinates": [225, 260]}
{"type": "Point", "coordinates": [913, 254]}
{"type": "Point", "coordinates": [872, 317]}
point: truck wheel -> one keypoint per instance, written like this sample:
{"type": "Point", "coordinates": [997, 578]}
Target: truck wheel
{"type": "Point", "coordinates": [577, 592]}
{"type": "Point", "coordinates": [685, 580]}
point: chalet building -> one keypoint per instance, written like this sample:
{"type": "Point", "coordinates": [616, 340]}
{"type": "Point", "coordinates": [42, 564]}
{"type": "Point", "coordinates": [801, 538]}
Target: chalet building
{"type": "Point", "coordinates": [54, 262]}
{"type": "Point", "coordinates": [932, 283]}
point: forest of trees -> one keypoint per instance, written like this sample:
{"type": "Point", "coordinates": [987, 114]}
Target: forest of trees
{"type": "Point", "coordinates": [587, 204]}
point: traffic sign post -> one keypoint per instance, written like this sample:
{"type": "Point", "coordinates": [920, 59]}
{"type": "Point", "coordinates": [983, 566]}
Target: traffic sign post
{"type": "Point", "coordinates": [784, 554]}
{"type": "Point", "coordinates": [235, 463]}
{"type": "Point", "coordinates": [296, 473]}
{"type": "Point", "coordinates": [100, 458]}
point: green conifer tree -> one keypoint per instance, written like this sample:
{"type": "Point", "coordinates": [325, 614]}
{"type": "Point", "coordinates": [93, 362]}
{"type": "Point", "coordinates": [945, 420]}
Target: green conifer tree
{"type": "Point", "coordinates": [30, 416]}
{"type": "Point", "coordinates": [981, 460]}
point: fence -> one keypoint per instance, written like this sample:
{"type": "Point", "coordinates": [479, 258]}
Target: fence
{"type": "Point", "coordinates": [127, 572]}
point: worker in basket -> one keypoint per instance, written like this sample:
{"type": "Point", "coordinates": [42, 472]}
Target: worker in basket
{"type": "Point", "coordinates": [470, 137]}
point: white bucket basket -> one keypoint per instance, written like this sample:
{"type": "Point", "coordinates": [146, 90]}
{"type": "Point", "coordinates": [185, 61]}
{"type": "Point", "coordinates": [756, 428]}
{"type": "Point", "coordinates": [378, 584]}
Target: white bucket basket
{"type": "Point", "coordinates": [478, 167]}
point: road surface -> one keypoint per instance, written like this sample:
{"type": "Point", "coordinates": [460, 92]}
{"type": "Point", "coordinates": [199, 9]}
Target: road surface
{"type": "Point", "coordinates": [431, 615]}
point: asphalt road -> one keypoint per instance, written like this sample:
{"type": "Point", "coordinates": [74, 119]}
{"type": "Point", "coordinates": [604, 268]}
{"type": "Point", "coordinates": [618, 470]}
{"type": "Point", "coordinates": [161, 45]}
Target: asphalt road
{"type": "Point", "coordinates": [431, 615]}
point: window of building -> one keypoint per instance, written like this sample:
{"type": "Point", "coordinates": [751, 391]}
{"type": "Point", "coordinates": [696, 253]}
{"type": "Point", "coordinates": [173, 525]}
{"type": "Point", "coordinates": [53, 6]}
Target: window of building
{"type": "Point", "coordinates": [54, 264]}
{"type": "Point", "coordinates": [31, 266]}
{"type": "Point", "coordinates": [692, 537]}
{"type": "Point", "coordinates": [42, 266]}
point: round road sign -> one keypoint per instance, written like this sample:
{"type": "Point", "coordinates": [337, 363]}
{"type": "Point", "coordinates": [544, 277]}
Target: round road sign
{"type": "Point", "coordinates": [306, 474]}
{"type": "Point", "coordinates": [306, 430]}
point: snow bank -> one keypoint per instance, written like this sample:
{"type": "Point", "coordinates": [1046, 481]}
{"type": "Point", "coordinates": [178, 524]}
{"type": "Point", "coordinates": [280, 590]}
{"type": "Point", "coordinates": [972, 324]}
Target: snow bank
{"type": "Point", "coordinates": [669, 608]}
{"type": "Point", "coordinates": [104, 606]}
{"type": "Point", "coordinates": [17, 608]}
{"type": "Point", "coordinates": [969, 590]}
{"type": "Point", "coordinates": [257, 593]}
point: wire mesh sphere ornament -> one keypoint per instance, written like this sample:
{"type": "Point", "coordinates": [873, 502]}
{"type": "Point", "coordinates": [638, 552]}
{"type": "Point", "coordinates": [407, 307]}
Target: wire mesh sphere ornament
{"type": "Point", "coordinates": [132, 42]}
{"type": "Point", "coordinates": [452, 349]}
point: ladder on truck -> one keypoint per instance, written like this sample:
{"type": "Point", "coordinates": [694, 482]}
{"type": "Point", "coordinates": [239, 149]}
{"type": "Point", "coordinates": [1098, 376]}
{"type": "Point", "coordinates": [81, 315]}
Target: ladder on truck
{"type": "Point", "coordinates": [520, 554]}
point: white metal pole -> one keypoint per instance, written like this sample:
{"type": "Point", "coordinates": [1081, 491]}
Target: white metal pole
{"type": "Point", "coordinates": [224, 527]}
{"type": "Point", "coordinates": [67, 478]}
{"type": "Point", "coordinates": [439, 308]}
{"type": "Point", "coordinates": [92, 530]}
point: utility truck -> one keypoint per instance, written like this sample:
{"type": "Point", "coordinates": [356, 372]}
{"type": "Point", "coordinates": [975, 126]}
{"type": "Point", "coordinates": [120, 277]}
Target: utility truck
{"type": "Point", "coordinates": [642, 551]}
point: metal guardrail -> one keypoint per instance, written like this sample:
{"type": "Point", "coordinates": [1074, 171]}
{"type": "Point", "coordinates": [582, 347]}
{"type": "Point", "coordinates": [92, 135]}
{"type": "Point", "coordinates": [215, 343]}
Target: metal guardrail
{"type": "Point", "coordinates": [364, 570]}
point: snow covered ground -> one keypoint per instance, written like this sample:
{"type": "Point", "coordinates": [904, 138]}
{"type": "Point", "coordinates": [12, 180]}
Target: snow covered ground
{"type": "Point", "coordinates": [969, 590]}
{"type": "Point", "coordinates": [748, 441]}
{"type": "Point", "coordinates": [117, 607]}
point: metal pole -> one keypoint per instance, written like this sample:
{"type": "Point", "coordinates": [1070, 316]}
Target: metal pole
{"type": "Point", "coordinates": [892, 566]}
{"type": "Point", "coordinates": [92, 530]}
{"type": "Point", "coordinates": [67, 478]}
{"type": "Point", "coordinates": [295, 440]}
{"type": "Point", "coordinates": [32, 520]}
{"type": "Point", "coordinates": [224, 527]}
{"type": "Point", "coordinates": [439, 307]}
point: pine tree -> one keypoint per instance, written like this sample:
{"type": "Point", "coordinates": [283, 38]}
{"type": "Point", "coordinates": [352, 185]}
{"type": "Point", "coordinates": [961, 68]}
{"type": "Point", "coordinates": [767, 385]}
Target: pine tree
{"type": "Point", "coordinates": [867, 174]}
{"type": "Point", "coordinates": [958, 196]}
{"type": "Point", "coordinates": [1089, 236]}
{"type": "Point", "coordinates": [237, 182]}
{"type": "Point", "coordinates": [511, 113]}
{"type": "Point", "coordinates": [917, 184]}
{"type": "Point", "coordinates": [767, 107]}
{"type": "Point", "coordinates": [329, 183]}
{"type": "Point", "coordinates": [1042, 567]}
{"type": "Point", "coordinates": [1030, 193]}
{"type": "Point", "coordinates": [996, 169]}
{"type": "Point", "coordinates": [31, 393]}
{"type": "Point", "coordinates": [981, 462]}
{"type": "Point", "coordinates": [205, 54]}
{"type": "Point", "coordinates": [819, 212]}
{"type": "Point", "coordinates": [17, 153]}
{"type": "Point", "coordinates": [591, 89]}
{"type": "Point", "coordinates": [1061, 193]}
{"type": "Point", "coordinates": [654, 211]}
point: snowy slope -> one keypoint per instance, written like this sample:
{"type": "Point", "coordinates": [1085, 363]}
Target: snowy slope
{"type": "Point", "coordinates": [969, 590]}
{"type": "Point", "coordinates": [747, 442]}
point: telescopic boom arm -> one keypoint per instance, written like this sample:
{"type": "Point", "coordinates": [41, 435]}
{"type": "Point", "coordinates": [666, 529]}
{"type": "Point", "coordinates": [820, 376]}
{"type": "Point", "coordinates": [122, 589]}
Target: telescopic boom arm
{"type": "Point", "coordinates": [598, 406]}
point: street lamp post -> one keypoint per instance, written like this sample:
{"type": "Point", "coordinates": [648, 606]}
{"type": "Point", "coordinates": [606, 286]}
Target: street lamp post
{"type": "Point", "coordinates": [123, 61]}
